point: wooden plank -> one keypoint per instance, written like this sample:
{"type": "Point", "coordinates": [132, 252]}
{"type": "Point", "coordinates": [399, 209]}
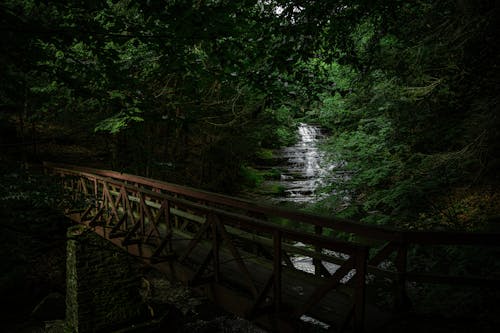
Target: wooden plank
{"type": "Point", "coordinates": [175, 211]}
{"type": "Point", "coordinates": [327, 222]}
{"type": "Point", "coordinates": [168, 238]}
{"type": "Point", "coordinates": [261, 297]}
{"type": "Point", "coordinates": [332, 309]}
{"type": "Point", "coordinates": [236, 255]}
{"type": "Point", "coordinates": [332, 282]}
{"type": "Point", "coordinates": [194, 241]}
{"type": "Point", "coordinates": [153, 224]}
{"type": "Point", "coordinates": [137, 196]}
{"type": "Point", "coordinates": [359, 290]}
{"type": "Point", "coordinates": [109, 198]}
{"type": "Point", "coordinates": [235, 219]}
{"type": "Point", "coordinates": [277, 271]}
{"type": "Point", "coordinates": [128, 207]}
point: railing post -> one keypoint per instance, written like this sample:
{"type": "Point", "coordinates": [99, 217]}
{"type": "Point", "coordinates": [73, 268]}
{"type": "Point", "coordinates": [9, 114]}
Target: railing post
{"type": "Point", "coordinates": [95, 188]}
{"type": "Point", "coordinates": [215, 246]}
{"type": "Point", "coordinates": [168, 224]}
{"type": "Point", "coordinates": [318, 265]}
{"type": "Point", "coordinates": [401, 300]}
{"type": "Point", "coordinates": [360, 289]}
{"type": "Point", "coordinates": [277, 270]}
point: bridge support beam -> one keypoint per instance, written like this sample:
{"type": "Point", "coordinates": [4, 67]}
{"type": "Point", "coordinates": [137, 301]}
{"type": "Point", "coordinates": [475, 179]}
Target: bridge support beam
{"type": "Point", "coordinates": [102, 284]}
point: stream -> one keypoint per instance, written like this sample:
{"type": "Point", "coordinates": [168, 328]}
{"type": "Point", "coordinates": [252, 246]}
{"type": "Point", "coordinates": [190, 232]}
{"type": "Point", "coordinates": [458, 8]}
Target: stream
{"type": "Point", "coordinates": [301, 167]}
{"type": "Point", "coordinates": [302, 171]}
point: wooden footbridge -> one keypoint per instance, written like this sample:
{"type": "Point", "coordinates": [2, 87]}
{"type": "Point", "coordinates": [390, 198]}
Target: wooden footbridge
{"type": "Point", "coordinates": [241, 254]}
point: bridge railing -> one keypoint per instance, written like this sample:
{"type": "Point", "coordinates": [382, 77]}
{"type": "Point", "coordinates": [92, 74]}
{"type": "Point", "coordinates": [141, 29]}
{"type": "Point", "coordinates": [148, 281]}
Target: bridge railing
{"type": "Point", "coordinates": [164, 222]}
{"type": "Point", "coordinates": [389, 245]}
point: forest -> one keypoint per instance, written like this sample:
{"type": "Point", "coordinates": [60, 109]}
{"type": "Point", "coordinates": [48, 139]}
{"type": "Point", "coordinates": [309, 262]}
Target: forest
{"type": "Point", "coordinates": [192, 92]}
{"type": "Point", "coordinates": [197, 92]}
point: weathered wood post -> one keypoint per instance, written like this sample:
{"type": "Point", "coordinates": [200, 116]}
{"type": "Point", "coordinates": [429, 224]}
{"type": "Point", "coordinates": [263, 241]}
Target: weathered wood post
{"type": "Point", "coordinates": [318, 265]}
{"type": "Point", "coordinates": [401, 299]}
{"type": "Point", "coordinates": [360, 289]}
{"type": "Point", "coordinates": [102, 284]}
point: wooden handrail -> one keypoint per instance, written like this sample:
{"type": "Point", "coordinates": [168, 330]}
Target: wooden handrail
{"type": "Point", "coordinates": [236, 219]}
{"type": "Point", "coordinates": [240, 216]}
{"type": "Point", "coordinates": [123, 207]}
{"type": "Point", "coordinates": [383, 233]}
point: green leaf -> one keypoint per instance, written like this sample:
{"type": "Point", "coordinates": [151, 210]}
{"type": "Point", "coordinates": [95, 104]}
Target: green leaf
{"type": "Point", "coordinates": [116, 94]}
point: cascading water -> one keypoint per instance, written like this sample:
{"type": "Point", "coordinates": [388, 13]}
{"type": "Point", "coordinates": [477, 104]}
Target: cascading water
{"type": "Point", "coordinates": [302, 173]}
{"type": "Point", "coordinates": [301, 176]}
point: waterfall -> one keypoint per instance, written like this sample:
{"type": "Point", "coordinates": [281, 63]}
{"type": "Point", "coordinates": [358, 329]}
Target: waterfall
{"type": "Point", "coordinates": [302, 173]}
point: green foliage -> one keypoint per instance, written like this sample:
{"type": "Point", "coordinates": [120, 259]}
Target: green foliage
{"type": "Point", "coordinates": [120, 121]}
{"type": "Point", "coordinates": [474, 302]}
{"type": "Point", "coordinates": [192, 91]}
{"type": "Point", "coordinates": [279, 129]}
{"type": "Point", "coordinates": [274, 189]}
{"type": "Point", "coordinates": [264, 154]}
{"type": "Point", "coordinates": [251, 177]}
{"type": "Point", "coordinates": [401, 117]}
{"type": "Point", "coordinates": [407, 89]}
{"type": "Point", "coordinates": [32, 237]}
{"type": "Point", "coordinates": [274, 173]}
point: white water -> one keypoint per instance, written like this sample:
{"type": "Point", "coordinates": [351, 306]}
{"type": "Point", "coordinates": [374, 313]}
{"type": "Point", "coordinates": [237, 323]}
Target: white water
{"type": "Point", "coordinates": [303, 172]}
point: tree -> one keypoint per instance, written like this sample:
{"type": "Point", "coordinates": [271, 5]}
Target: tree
{"type": "Point", "coordinates": [415, 121]}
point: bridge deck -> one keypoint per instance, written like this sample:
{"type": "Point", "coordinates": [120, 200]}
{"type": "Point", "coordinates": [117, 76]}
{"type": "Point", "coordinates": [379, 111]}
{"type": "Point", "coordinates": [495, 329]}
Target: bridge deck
{"type": "Point", "coordinates": [240, 253]}
{"type": "Point", "coordinates": [333, 309]}
{"type": "Point", "coordinates": [231, 290]}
